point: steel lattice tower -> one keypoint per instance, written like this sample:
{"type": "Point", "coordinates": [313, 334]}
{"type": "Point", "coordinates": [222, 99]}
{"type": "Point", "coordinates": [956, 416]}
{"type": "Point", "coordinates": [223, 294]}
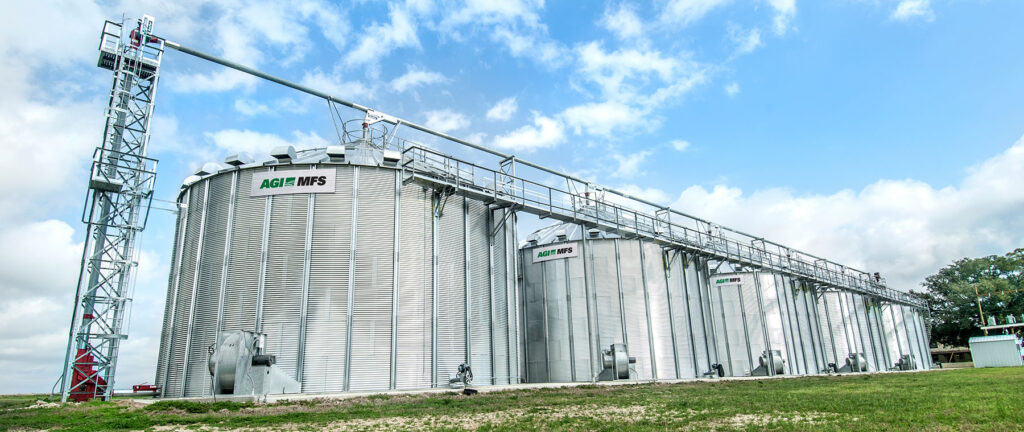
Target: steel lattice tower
{"type": "Point", "coordinates": [116, 208]}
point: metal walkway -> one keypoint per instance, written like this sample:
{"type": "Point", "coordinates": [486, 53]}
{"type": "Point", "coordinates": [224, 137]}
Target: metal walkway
{"type": "Point", "coordinates": [504, 188]}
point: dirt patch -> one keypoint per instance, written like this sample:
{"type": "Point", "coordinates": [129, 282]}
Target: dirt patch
{"type": "Point", "coordinates": [741, 421]}
{"type": "Point", "coordinates": [630, 414]}
{"type": "Point", "coordinates": [41, 404]}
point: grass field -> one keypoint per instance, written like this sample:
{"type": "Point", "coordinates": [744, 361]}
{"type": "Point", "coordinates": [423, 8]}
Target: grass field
{"type": "Point", "coordinates": [953, 400]}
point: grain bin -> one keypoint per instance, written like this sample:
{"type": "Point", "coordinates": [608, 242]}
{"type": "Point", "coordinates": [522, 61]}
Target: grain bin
{"type": "Point", "coordinates": [358, 280]}
{"type": "Point", "coordinates": [585, 290]}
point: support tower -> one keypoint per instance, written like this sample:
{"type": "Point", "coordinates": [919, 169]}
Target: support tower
{"type": "Point", "coordinates": [115, 212]}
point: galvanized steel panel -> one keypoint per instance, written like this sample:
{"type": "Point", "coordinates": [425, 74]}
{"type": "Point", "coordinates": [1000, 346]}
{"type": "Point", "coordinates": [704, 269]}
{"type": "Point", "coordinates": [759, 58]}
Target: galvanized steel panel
{"type": "Point", "coordinates": [812, 342]}
{"type": "Point", "coordinates": [244, 259]}
{"type": "Point", "coordinates": [501, 295]}
{"type": "Point", "coordinates": [661, 323]}
{"type": "Point", "coordinates": [534, 316]}
{"type": "Point", "coordinates": [415, 308]}
{"type": "Point", "coordinates": [479, 232]}
{"type": "Point", "coordinates": [327, 305]}
{"type": "Point", "coordinates": [581, 361]}
{"type": "Point", "coordinates": [451, 291]}
{"type": "Point", "coordinates": [638, 342]}
{"type": "Point", "coordinates": [373, 285]}
{"type": "Point", "coordinates": [735, 356]}
{"type": "Point", "coordinates": [609, 319]}
{"type": "Point", "coordinates": [183, 306]}
{"type": "Point", "coordinates": [282, 291]}
{"type": "Point", "coordinates": [704, 344]}
{"type": "Point", "coordinates": [677, 298]}
{"type": "Point", "coordinates": [556, 323]}
{"type": "Point", "coordinates": [207, 305]}
{"type": "Point", "coordinates": [867, 333]}
{"type": "Point", "coordinates": [172, 289]}
{"type": "Point", "coordinates": [775, 319]}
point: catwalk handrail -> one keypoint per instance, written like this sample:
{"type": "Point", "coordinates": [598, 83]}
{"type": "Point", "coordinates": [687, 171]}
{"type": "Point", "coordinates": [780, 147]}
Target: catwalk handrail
{"type": "Point", "coordinates": [833, 272]}
{"type": "Point", "coordinates": [429, 165]}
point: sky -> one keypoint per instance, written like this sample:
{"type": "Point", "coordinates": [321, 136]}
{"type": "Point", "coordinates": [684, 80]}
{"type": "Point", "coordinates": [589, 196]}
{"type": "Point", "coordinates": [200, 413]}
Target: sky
{"type": "Point", "coordinates": [883, 134]}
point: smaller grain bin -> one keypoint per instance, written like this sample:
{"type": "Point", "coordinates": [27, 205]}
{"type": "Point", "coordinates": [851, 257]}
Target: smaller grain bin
{"type": "Point", "coordinates": [584, 291]}
{"type": "Point", "coordinates": [763, 319]}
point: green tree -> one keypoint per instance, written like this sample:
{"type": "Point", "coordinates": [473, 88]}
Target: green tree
{"type": "Point", "coordinates": [953, 304]}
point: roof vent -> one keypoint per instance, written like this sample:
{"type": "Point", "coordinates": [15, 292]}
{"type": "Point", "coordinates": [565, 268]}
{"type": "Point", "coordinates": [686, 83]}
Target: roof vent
{"type": "Point", "coordinates": [392, 157]}
{"type": "Point", "coordinates": [207, 169]}
{"type": "Point", "coordinates": [561, 237]}
{"type": "Point", "coordinates": [239, 159]}
{"type": "Point", "coordinates": [533, 242]}
{"type": "Point", "coordinates": [336, 153]}
{"type": "Point", "coordinates": [594, 233]}
{"type": "Point", "coordinates": [189, 180]}
{"type": "Point", "coordinates": [283, 153]}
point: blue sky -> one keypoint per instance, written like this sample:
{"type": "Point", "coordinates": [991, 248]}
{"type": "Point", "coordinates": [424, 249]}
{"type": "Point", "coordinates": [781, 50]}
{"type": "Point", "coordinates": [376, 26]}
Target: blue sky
{"type": "Point", "coordinates": [882, 134]}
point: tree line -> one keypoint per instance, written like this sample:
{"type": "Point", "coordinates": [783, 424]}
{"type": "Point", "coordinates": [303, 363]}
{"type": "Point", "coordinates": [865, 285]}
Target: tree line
{"type": "Point", "coordinates": [953, 294]}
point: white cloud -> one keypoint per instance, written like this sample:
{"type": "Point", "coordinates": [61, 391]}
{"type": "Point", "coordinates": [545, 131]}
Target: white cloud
{"type": "Point", "coordinates": [746, 41]}
{"type": "Point", "coordinates": [257, 144]}
{"type": "Point", "coordinates": [905, 229]}
{"type": "Point", "coordinates": [623, 22]}
{"type": "Point", "coordinates": [415, 77]}
{"type": "Point", "coordinates": [629, 165]}
{"type": "Point", "coordinates": [680, 145]}
{"type": "Point", "coordinates": [250, 108]}
{"type": "Point", "coordinates": [620, 74]}
{"type": "Point", "coordinates": [602, 119]}
{"type": "Point", "coordinates": [732, 89]}
{"type": "Point", "coordinates": [684, 12]}
{"type": "Point", "coordinates": [378, 40]}
{"type": "Point", "coordinates": [446, 120]}
{"type": "Point", "coordinates": [785, 10]}
{"type": "Point", "coordinates": [336, 85]}
{"type": "Point", "coordinates": [654, 195]}
{"type": "Point", "coordinates": [503, 110]}
{"type": "Point", "coordinates": [489, 12]}
{"type": "Point", "coordinates": [540, 49]}
{"type": "Point", "coordinates": [544, 133]}
{"type": "Point", "coordinates": [912, 9]}
{"type": "Point", "coordinates": [44, 262]}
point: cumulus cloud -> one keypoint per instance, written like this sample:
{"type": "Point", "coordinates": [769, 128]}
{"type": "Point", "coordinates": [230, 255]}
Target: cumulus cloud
{"type": "Point", "coordinates": [337, 85]}
{"type": "Point", "coordinates": [446, 120]}
{"type": "Point", "coordinates": [907, 10]}
{"type": "Point", "coordinates": [746, 41]}
{"type": "Point", "coordinates": [528, 44]}
{"type": "Point", "coordinates": [680, 145]}
{"type": "Point", "coordinates": [543, 133]}
{"type": "Point", "coordinates": [603, 119]}
{"type": "Point", "coordinates": [623, 22]}
{"type": "Point", "coordinates": [415, 77]}
{"type": "Point", "coordinates": [684, 12]}
{"type": "Point", "coordinates": [629, 164]}
{"type": "Point", "coordinates": [379, 39]}
{"type": "Point", "coordinates": [259, 144]}
{"type": "Point", "coordinates": [732, 89]}
{"type": "Point", "coordinates": [250, 108]}
{"type": "Point", "coordinates": [905, 229]}
{"type": "Point", "coordinates": [785, 10]}
{"type": "Point", "coordinates": [503, 110]}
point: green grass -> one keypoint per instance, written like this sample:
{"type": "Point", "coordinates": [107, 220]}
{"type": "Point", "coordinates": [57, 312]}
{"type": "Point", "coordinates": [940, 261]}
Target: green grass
{"type": "Point", "coordinates": [953, 400]}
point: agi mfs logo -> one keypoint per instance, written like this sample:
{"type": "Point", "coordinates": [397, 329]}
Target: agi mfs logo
{"type": "Point", "coordinates": [727, 280]}
{"type": "Point", "coordinates": [291, 181]}
{"type": "Point", "coordinates": [550, 252]}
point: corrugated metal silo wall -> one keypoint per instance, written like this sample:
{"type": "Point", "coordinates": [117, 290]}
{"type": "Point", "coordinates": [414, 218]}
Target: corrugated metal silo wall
{"type": "Point", "coordinates": [611, 293]}
{"type": "Point", "coordinates": [317, 274]}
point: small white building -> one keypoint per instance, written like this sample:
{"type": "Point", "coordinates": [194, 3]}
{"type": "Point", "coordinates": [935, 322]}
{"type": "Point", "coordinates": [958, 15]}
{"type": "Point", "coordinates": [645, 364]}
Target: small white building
{"type": "Point", "coordinates": [997, 351]}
